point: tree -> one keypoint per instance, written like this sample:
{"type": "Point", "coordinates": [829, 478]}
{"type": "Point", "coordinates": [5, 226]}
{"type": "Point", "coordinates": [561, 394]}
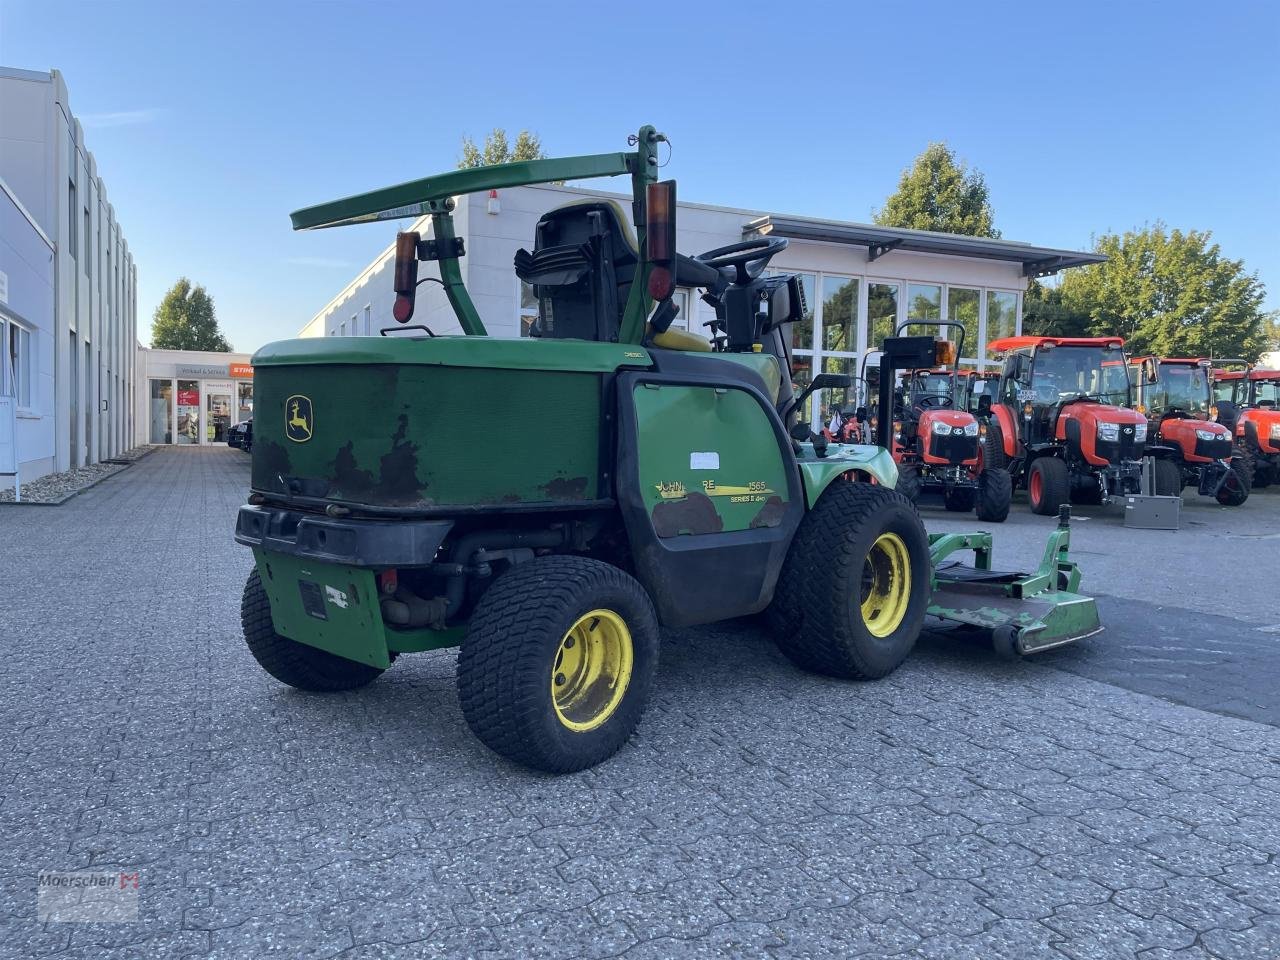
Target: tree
{"type": "Point", "coordinates": [1171, 293]}
{"type": "Point", "coordinates": [185, 320]}
{"type": "Point", "coordinates": [496, 149]}
{"type": "Point", "coordinates": [1044, 313]}
{"type": "Point", "coordinates": [940, 193]}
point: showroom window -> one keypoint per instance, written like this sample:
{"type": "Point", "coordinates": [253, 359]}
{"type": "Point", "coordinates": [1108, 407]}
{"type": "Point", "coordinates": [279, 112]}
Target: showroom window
{"type": "Point", "coordinates": [161, 411]}
{"type": "Point", "coordinates": [1002, 316]}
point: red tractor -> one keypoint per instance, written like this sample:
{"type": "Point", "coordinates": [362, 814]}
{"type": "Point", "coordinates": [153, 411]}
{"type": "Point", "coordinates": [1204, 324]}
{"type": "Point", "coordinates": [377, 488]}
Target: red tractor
{"type": "Point", "coordinates": [938, 444]}
{"type": "Point", "coordinates": [1176, 397]}
{"type": "Point", "coordinates": [1248, 403]}
{"type": "Point", "coordinates": [1058, 420]}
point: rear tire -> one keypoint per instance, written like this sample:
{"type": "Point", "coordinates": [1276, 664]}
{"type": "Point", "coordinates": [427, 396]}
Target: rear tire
{"type": "Point", "coordinates": [1168, 479]}
{"type": "Point", "coordinates": [1259, 472]}
{"type": "Point", "coordinates": [995, 494]}
{"type": "Point", "coordinates": [853, 591]}
{"type": "Point", "coordinates": [908, 483]}
{"type": "Point", "coordinates": [1048, 485]}
{"type": "Point", "coordinates": [526, 680]}
{"type": "Point", "coordinates": [296, 664]}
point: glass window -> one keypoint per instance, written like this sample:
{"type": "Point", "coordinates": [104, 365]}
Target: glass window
{"type": "Point", "coordinates": [162, 411]}
{"type": "Point", "coordinates": [528, 312]}
{"type": "Point", "coordinates": [682, 300]}
{"type": "Point", "coordinates": [368, 320]}
{"type": "Point", "coordinates": [25, 367]}
{"type": "Point", "coordinates": [342, 329]}
{"type": "Point", "coordinates": [73, 216]}
{"type": "Point", "coordinates": [924, 302]}
{"type": "Point", "coordinates": [882, 312]}
{"type": "Point", "coordinates": [244, 401]}
{"type": "Point", "coordinates": [801, 374]}
{"type": "Point", "coordinates": [188, 411]}
{"type": "Point", "coordinates": [802, 330]}
{"type": "Point", "coordinates": [840, 398]}
{"type": "Point", "coordinates": [840, 314]}
{"type": "Point", "coordinates": [1002, 315]}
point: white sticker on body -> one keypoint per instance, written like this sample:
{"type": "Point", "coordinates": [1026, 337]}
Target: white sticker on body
{"type": "Point", "coordinates": [704, 460]}
{"type": "Point", "coordinates": [336, 597]}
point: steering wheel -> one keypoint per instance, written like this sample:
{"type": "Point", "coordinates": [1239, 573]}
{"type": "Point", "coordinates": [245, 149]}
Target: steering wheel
{"type": "Point", "coordinates": [929, 400]}
{"type": "Point", "coordinates": [747, 257]}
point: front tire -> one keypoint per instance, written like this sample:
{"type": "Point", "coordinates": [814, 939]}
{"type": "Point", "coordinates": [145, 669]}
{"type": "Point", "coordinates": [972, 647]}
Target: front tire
{"type": "Point", "coordinates": [1235, 488]}
{"type": "Point", "coordinates": [853, 591]}
{"type": "Point", "coordinates": [908, 483]}
{"type": "Point", "coordinates": [1168, 479]}
{"type": "Point", "coordinates": [1048, 485]}
{"type": "Point", "coordinates": [557, 663]}
{"type": "Point", "coordinates": [995, 494]}
{"type": "Point", "coordinates": [959, 499]}
{"type": "Point", "coordinates": [296, 664]}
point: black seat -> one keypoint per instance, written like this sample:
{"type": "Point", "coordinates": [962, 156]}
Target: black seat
{"type": "Point", "coordinates": [582, 265]}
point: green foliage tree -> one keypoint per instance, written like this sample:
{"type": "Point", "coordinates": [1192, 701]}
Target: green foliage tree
{"type": "Point", "coordinates": [1044, 314]}
{"type": "Point", "coordinates": [185, 320]}
{"type": "Point", "coordinates": [1171, 293]}
{"type": "Point", "coordinates": [940, 193]}
{"type": "Point", "coordinates": [497, 149]}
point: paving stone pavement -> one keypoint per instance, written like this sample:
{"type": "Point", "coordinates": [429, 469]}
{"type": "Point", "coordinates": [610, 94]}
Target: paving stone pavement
{"type": "Point", "coordinates": [963, 807]}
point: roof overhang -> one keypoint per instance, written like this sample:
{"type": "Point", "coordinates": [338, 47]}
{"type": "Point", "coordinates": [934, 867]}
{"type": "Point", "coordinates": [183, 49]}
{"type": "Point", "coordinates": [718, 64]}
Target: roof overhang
{"type": "Point", "coordinates": [1035, 261]}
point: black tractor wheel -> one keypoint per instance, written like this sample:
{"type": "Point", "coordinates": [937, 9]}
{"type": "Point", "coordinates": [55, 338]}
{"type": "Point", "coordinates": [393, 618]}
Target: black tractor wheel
{"type": "Point", "coordinates": [908, 483]}
{"type": "Point", "coordinates": [995, 494]}
{"type": "Point", "coordinates": [1235, 488]}
{"type": "Point", "coordinates": [557, 663]}
{"type": "Point", "coordinates": [1259, 472]}
{"type": "Point", "coordinates": [1048, 485]}
{"type": "Point", "coordinates": [854, 588]}
{"type": "Point", "coordinates": [296, 664]}
{"type": "Point", "coordinates": [1168, 479]}
{"type": "Point", "coordinates": [993, 454]}
{"type": "Point", "coordinates": [959, 499]}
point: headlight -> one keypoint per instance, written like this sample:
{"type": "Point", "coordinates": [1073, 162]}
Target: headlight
{"type": "Point", "coordinates": [1139, 432]}
{"type": "Point", "coordinates": [971, 429]}
{"type": "Point", "coordinates": [1275, 431]}
{"type": "Point", "coordinates": [942, 428]}
{"type": "Point", "coordinates": [1109, 431]}
{"type": "Point", "coordinates": [1210, 435]}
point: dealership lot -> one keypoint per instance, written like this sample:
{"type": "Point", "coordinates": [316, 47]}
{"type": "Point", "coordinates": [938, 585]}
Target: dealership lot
{"type": "Point", "coordinates": [1105, 800]}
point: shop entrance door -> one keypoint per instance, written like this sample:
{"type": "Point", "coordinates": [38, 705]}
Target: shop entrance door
{"type": "Point", "coordinates": [217, 412]}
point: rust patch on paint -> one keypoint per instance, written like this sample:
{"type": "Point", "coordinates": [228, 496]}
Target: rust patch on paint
{"type": "Point", "coordinates": [694, 514]}
{"type": "Point", "coordinates": [770, 514]}
{"type": "Point", "coordinates": [351, 480]}
{"type": "Point", "coordinates": [573, 488]}
{"type": "Point", "coordinates": [398, 481]}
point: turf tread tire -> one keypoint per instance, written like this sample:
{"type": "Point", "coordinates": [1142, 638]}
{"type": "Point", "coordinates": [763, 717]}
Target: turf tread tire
{"type": "Point", "coordinates": [909, 483]}
{"type": "Point", "coordinates": [1168, 478]}
{"type": "Point", "coordinates": [505, 661]}
{"type": "Point", "coordinates": [293, 663]}
{"type": "Point", "coordinates": [814, 615]}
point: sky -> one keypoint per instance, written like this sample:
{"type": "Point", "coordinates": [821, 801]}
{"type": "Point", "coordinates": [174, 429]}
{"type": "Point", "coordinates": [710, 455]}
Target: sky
{"type": "Point", "coordinates": [211, 121]}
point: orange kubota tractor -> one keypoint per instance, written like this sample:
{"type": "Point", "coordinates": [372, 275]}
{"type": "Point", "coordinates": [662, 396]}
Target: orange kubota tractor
{"type": "Point", "coordinates": [938, 444]}
{"type": "Point", "coordinates": [1059, 422]}
{"type": "Point", "coordinates": [1248, 404]}
{"type": "Point", "coordinates": [1188, 447]}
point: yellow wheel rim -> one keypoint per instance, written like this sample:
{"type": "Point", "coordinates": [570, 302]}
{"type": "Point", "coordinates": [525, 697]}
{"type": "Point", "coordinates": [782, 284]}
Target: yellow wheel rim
{"type": "Point", "coordinates": [886, 585]}
{"type": "Point", "coordinates": [592, 669]}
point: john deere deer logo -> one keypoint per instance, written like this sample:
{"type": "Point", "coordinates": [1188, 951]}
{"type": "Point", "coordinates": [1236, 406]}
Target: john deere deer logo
{"type": "Point", "coordinates": [300, 421]}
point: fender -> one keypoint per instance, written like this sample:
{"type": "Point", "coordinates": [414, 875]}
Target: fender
{"type": "Point", "coordinates": [1255, 425]}
{"type": "Point", "coordinates": [1008, 429]}
{"type": "Point", "coordinates": [872, 461]}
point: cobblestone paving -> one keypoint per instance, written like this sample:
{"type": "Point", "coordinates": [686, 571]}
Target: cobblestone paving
{"type": "Point", "coordinates": [963, 807]}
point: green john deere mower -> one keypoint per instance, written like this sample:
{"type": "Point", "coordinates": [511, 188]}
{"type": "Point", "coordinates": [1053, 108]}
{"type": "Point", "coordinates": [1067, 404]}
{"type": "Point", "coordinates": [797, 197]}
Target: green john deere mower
{"type": "Point", "coordinates": [660, 479]}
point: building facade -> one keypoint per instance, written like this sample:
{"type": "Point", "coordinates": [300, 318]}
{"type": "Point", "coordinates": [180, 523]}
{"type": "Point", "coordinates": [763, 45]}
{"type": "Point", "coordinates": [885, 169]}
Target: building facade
{"type": "Point", "coordinates": [861, 281]}
{"type": "Point", "coordinates": [69, 316]}
{"type": "Point", "coordinates": [190, 397]}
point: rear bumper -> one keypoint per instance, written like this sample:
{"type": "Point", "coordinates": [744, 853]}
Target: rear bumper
{"type": "Point", "coordinates": [375, 544]}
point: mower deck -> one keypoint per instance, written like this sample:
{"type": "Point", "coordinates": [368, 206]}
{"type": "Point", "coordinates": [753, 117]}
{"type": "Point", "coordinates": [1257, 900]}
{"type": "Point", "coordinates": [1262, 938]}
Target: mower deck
{"type": "Point", "coordinates": [1024, 612]}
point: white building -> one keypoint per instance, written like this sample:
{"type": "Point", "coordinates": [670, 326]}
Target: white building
{"type": "Point", "coordinates": [188, 397]}
{"type": "Point", "coordinates": [861, 281]}
{"type": "Point", "coordinates": [68, 301]}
